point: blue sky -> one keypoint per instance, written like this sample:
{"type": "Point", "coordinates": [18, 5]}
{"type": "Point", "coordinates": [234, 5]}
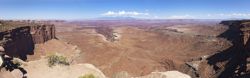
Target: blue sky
{"type": "Point", "coordinates": [150, 9]}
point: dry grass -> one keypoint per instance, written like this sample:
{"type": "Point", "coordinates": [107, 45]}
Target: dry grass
{"type": "Point", "coordinates": [87, 76]}
{"type": "Point", "coordinates": [56, 59]}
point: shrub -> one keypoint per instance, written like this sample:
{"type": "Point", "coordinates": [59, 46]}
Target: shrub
{"type": "Point", "coordinates": [56, 59]}
{"type": "Point", "coordinates": [87, 76]}
{"type": "Point", "coordinates": [122, 74]}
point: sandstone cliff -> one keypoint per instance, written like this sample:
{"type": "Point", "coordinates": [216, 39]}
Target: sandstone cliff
{"type": "Point", "coordinates": [229, 63]}
{"type": "Point", "coordinates": [233, 62]}
{"type": "Point", "coordinates": [42, 33]}
{"type": "Point", "coordinates": [19, 42]}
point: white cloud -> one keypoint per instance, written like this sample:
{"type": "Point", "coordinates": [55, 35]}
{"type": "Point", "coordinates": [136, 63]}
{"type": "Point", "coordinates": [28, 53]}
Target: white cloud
{"type": "Point", "coordinates": [124, 13]}
{"type": "Point", "coordinates": [221, 14]}
{"type": "Point", "coordinates": [209, 15]}
{"type": "Point", "coordinates": [240, 14]}
{"type": "Point", "coordinates": [230, 15]}
{"type": "Point", "coordinates": [156, 17]}
{"type": "Point", "coordinates": [180, 16]}
{"type": "Point", "coordinates": [186, 16]}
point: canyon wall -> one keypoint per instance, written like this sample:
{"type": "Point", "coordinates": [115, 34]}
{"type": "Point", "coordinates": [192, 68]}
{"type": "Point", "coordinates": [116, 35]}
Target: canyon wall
{"type": "Point", "coordinates": [42, 33]}
{"type": "Point", "coordinates": [233, 62]}
{"type": "Point", "coordinates": [19, 42]}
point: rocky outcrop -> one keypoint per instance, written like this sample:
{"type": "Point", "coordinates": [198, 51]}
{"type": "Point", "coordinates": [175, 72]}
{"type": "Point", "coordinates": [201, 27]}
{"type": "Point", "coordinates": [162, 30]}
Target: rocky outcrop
{"type": "Point", "coordinates": [42, 33]}
{"type": "Point", "coordinates": [194, 67]}
{"type": "Point", "coordinates": [232, 62]}
{"type": "Point", "coordinates": [167, 74]}
{"type": "Point", "coordinates": [19, 42]}
{"type": "Point", "coordinates": [40, 69]}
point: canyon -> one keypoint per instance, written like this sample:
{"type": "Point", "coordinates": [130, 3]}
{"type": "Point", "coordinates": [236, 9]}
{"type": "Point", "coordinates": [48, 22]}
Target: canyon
{"type": "Point", "coordinates": [126, 49]}
{"type": "Point", "coordinates": [29, 45]}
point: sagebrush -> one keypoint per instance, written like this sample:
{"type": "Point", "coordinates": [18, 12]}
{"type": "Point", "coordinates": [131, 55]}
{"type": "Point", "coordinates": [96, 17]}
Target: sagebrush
{"type": "Point", "coordinates": [87, 76]}
{"type": "Point", "coordinates": [57, 59]}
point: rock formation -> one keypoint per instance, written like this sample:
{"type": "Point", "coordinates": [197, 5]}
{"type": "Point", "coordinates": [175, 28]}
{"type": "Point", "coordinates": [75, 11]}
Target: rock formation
{"type": "Point", "coordinates": [167, 74]}
{"type": "Point", "coordinates": [229, 63]}
{"type": "Point", "coordinates": [42, 33]}
{"type": "Point", "coordinates": [19, 42]}
{"type": "Point", "coordinates": [232, 62]}
{"type": "Point", "coordinates": [30, 40]}
{"type": "Point", "coordinates": [36, 68]}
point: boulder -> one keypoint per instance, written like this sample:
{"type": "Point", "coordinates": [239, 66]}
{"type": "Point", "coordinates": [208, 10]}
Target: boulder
{"type": "Point", "coordinates": [167, 74]}
{"type": "Point", "coordinates": [1, 61]}
{"type": "Point", "coordinates": [1, 49]}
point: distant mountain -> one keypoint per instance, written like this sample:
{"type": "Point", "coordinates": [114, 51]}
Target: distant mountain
{"type": "Point", "coordinates": [116, 18]}
{"type": "Point", "coordinates": [236, 19]}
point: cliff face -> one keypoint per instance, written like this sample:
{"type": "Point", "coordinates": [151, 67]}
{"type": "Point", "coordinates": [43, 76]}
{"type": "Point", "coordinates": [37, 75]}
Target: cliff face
{"type": "Point", "coordinates": [42, 33]}
{"type": "Point", "coordinates": [234, 61]}
{"type": "Point", "coordinates": [19, 42]}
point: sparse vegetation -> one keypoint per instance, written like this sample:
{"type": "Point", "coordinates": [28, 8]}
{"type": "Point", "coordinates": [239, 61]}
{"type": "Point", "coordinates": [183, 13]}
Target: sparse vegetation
{"type": "Point", "coordinates": [87, 76]}
{"type": "Point", "coordinates": [122, 74]}
{"type": "Point", "coordinates": [56, 59]}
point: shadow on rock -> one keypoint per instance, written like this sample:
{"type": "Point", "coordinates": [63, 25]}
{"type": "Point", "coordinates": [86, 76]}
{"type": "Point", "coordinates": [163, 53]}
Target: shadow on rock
{"type": "Point", "coordinates": [9, 65]}
{"type": "Point", "coordinates": [231, 62]}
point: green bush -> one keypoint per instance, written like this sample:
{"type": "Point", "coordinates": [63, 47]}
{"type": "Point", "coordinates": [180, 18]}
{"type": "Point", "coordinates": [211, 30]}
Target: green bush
{"type": "Point", "coordinates": [56, 59]}
{"type": "Point", "coordinates": [87, 76]}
